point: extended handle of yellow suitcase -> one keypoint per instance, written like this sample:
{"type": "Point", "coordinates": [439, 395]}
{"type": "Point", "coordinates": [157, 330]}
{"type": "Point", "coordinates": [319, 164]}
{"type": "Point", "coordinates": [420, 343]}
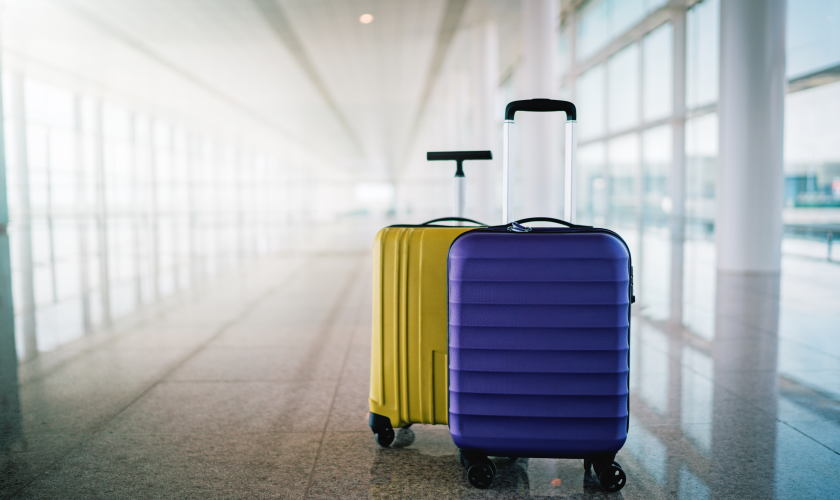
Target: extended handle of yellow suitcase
{"type": "Point", "coordinates": [539, 106]}
{"type": "Point", "coordinates": [460, 181]}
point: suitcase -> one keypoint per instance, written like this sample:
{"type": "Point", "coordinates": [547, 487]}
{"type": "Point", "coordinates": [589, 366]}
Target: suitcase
{"type": "Point", "coordinates": [408, 381]}
{"type": "Point", "coordinates": [539, 326]}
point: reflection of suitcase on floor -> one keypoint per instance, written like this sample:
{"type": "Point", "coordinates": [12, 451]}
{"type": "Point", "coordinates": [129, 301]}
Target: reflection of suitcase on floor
{"type": "Point", "coordinates": [408, 381]}
{"type": "Point", "coordinates": [539, 322]}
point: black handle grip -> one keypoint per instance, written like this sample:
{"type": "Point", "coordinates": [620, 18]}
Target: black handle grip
{"type": "Point", "coordinates": [541, 106]}
{"type": "Point", "coordinates": [460, 157]}
{"type": "Point", "coordinates": [455, 219]}
{"type": "Point", "coordinates": [548, 219]}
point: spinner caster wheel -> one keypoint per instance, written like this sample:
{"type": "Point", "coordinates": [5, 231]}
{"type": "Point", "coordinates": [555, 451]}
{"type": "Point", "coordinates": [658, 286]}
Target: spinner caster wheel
{"type": "Point", "coordinates": [612, 478]}
{"type": "Point", "coordinates": [384, 437]}
{"type": "Point", "coordinates": [481, 474]}
{"type": "Point", "coordinates": [383, 432]}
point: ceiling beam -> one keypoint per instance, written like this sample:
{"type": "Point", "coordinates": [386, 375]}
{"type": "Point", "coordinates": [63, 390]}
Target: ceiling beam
{"type": "Point", "coordinates": [282, 28]}
{"type": "Point", "coordinates": [452, 13]}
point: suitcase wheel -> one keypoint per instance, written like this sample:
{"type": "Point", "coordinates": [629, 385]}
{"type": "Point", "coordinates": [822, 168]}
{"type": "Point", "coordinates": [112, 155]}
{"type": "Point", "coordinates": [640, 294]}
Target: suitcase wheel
{"type": "Point", "coordinates": [480, 469]}
{"type": "Point", "coordinates": [384, 437]}
{"type": "Point", "coordinates": [383, 433]}
{"type": "Point", "coordinates": [481, 474]}
{"type": "Point", "coordinates": [612, 477]}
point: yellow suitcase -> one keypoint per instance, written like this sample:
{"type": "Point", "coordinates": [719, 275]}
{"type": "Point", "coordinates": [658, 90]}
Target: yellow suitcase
{"type": "Point", "coordinates": [408, 364]}
{"type": "Point", "coordinates": [408, 369]}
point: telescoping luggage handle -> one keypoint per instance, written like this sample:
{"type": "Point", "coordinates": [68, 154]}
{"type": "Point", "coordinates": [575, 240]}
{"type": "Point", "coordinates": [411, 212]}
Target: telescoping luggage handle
{"type": "Point", "coordinates": [539, 105]}
{"type": "Point", "coordinates": [460, 181]}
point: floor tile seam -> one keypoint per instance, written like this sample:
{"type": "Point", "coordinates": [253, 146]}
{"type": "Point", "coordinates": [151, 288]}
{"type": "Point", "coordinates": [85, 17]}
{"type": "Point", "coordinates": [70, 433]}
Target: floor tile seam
{"type": "Point", "coordinates": [207, 433]}
{"type": "Point", "coordinates": [810, 437]}
{"type": "Point", "coordinates": [713, 381]}
{"type": "Point", "coordinates": [809, 347]}
{"type": "Point", "coordinates": [349, 286]}
{"type": "Point", "coordinates": [113, 336]}
{"type": "Point", "coordinates": [749, 401]}
{"type": "Point", "coordinates": [221, 330]}
{"type": "Point", "coordinates": [760, 334]}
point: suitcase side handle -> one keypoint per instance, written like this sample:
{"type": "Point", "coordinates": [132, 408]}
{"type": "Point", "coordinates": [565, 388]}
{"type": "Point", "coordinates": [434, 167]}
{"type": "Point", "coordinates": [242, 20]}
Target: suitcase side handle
{"type": "Point", "coordinates": [539, 105]}
{"type": "Point", "coordinates": [453, 219]}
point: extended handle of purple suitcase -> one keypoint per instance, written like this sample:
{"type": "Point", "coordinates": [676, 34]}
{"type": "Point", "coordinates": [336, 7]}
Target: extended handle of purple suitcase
{"type": "Point", "coordinates": [540, 106]}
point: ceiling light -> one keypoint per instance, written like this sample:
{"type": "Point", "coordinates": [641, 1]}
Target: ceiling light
{"type": "Point", "coordinates": [366, 19]}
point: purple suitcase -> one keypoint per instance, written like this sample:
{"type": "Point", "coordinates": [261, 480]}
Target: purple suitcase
{"type": "Point", "coordinates": [539, 325]}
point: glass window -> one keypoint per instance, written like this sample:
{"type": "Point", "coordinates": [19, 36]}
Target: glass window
{"type": "Point", "coordinates": [812, 151]}
{"type": "Point", "coordinates": [656, 150]}
{"type": "Point", "coordinates": [624, 88]}
{"type": "Point", "coordinates": [590, 97]}
{"type": "Point", "coordinates": [702, 53]}
{"type": "Point", "coordinates": [813, 36]}
{"type": "Point", "coordinates": [593, 28]}
{"type": "Point", "coordinates": [591, 192]}
{"type": "Point", "coordinates": [701, 149]}
{"type": "Point", "coordinates": [625, 14]}
{"type": "Point", "coordinates": [657, 60]}
{"type": "Point", "coordinates": [701, 146]}
{"type": "Point", "coordinates": [623, 161]}
{"type": "Point", "coordinates": [600, 21]}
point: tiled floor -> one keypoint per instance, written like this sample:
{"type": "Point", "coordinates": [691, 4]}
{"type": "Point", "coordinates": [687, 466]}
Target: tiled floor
{"type": "Point", "coordinates": [256, 387]}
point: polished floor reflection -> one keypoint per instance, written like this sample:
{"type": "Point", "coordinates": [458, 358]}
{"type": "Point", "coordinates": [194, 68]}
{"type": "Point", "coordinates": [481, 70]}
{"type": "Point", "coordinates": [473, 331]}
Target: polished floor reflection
{"type": "Point", "coordinates": [256, 387]}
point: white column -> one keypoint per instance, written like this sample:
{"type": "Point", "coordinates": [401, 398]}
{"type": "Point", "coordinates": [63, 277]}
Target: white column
{"type": "Point", "coordinates": [485, 76]}
{"type": "Point", "coordinates": [23, 224]}
{"type": "Point", "coordinates": [539, 135]}
{"type": "Point", "coordinates": [11, 424]}
{"type": "Point", "coordinates": [750, 182]}
{"type": "Point", "coordinates": [82, 213]}
{"type": "Point", "coordinates": [102, 216]}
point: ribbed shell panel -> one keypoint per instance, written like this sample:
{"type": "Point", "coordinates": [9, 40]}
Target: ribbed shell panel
{"type": "Point", "coordinates": [538, 343]}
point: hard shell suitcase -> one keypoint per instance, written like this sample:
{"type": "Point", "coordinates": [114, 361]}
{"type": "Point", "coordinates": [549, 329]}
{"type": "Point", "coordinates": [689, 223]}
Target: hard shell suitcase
{"type": "Point", "coordinates": [408, 373]}
{"type": "Point", "coordinates": [539, 325]}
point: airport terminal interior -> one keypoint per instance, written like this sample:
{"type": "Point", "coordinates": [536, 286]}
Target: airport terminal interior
{"type": "Point", "coordinates": [190, 192]}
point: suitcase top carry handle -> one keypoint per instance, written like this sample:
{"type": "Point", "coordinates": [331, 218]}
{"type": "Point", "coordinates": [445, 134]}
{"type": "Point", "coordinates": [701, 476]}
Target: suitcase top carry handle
{"type": "Point", "coordinates": [454, 219]}
{"type": "Point", "coordinates": [459, 157]}
{"type": "Point", "coordinates": [460, 182]}
{"type": "Point", "coordinates": [517, 227]}
{"type": "Point", "coordinates": [541, 106]}
{"type": "Point", "coordinates": [508, 158]}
